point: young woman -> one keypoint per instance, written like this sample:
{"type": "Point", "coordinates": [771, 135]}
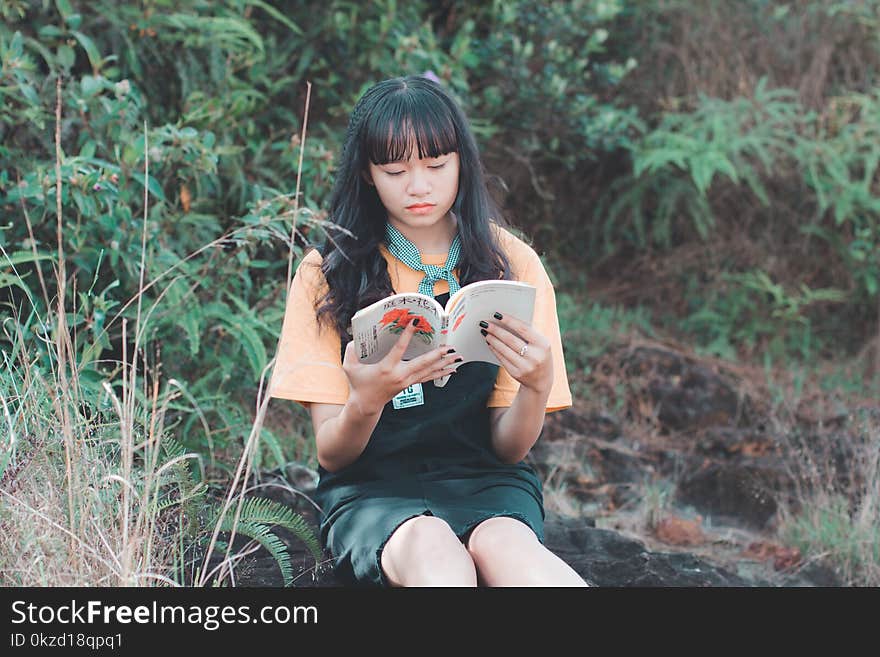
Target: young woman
{"type": "Point", "coordinates": [433, 491]}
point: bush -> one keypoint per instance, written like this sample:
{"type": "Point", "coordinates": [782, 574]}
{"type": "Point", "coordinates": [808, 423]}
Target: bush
{"type": "Point", "coordinates": [196, 109]}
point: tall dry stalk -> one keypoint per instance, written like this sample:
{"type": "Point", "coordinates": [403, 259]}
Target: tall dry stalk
{"type": "Point", "coordinates": [245, 463]}
{"type": "Point", "coordinates": [62, 353]}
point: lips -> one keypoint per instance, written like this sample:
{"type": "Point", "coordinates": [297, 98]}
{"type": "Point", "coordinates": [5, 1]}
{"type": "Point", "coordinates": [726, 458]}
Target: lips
{"type": "Point", "coordinates": [417, 206]}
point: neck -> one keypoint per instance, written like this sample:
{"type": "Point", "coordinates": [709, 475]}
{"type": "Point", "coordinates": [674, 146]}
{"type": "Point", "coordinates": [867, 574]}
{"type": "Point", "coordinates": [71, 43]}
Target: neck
{"type": "Point", "coordinates": [430, 239]}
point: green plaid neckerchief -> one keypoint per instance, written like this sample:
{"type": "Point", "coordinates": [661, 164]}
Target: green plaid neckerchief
{"type": "Point", "coordinates": [408, 253]}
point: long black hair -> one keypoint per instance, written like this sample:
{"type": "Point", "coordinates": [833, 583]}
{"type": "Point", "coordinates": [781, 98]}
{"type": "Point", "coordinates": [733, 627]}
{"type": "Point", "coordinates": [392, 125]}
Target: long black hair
{"type": "Point", "coordinates": [381, 130]}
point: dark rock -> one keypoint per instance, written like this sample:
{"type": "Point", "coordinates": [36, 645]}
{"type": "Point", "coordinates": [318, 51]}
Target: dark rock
{"type": "Point", "coordinates": [607, 558]}
{"type": "Point", "coordinates": [736, 475]}
{"type": "Point", "coordinates": [740, 491]}
{"type": "Point", "coordinates": [564, 424]}
{"type": "Point", "coordinates": [813, 574]}
{"type": "Point", "coordinates": [590, 468]}
{"type": "Point", "coordinates": [301, 477]}
{"type": "Point", "coordinates": [722, 442]}
{"type": "Point", "coordinates": [833, 462]}
{"type": "Point", "coordinates": [604, 462]}
{"type": "Point", "coordinates": [689, 395]}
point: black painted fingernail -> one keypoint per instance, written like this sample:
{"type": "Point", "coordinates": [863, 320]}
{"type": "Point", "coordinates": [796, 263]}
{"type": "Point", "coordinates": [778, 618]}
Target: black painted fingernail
{"type": "Point", "coordinates": [450, 351]}
{"type": "Point", "coordinates": [415, 321]}
{"type": "Point", "coordinates": [498, 316]}
{"type": "Point", "coordinates": [484, 324]}
{"type": "Point", "coordinates": [458, 360]}
{"type": "Point", "coordinates": [484, 331]}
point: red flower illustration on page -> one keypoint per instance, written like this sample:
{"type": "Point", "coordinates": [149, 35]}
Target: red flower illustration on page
{"type": "Point", "coordinates": [393, 316]}
{"type": "Point", "coordinates": [398, 319]}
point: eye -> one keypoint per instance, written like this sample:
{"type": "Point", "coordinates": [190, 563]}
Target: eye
{"type": "Point", "coordinates": [394, 173]}
{"type": "Point", "coordinates": [438, 166]}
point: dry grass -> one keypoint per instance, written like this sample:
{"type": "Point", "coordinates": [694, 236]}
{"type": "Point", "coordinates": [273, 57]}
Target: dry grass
{"type": "Point", "coordinates": [96, 499]}
{"type": "Point", "coordinates": [105, 542]}
{"type": "Point", "coordinates": [834, 513]}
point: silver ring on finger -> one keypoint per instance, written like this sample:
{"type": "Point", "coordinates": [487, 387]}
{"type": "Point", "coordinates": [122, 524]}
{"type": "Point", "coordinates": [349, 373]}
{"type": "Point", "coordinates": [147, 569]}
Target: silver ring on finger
{"type": "Point", "coordinates": [522, 352]}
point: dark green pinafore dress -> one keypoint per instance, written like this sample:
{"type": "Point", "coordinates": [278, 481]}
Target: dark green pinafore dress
{"type": "Point", "coordinates": [430, 459]}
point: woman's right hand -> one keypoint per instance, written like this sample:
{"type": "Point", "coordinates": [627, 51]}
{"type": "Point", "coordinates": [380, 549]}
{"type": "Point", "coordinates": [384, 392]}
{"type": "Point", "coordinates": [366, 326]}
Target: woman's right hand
{"type": "Point", "coordinates": [373, 386]}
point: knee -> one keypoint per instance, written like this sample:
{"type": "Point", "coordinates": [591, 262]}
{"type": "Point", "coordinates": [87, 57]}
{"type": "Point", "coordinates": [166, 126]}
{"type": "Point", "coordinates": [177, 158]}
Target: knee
{"type": "Point", "coordinates": [496, 535]}
{"type": "Point", "coordinates": [424, 540]}
{"type": "Point", "coordinates": [424, 534]}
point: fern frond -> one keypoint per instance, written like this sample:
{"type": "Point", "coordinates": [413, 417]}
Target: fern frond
{"type": "Point", "coordinates": [196, 493]}
{"type": "Point", "coordinates": [263, 535]}
{"type": "Point", "coordinates": [270, 512]}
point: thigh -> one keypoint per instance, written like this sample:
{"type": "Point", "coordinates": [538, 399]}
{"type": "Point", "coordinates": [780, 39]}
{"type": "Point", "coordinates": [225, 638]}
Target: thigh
{"type": "Point", "coordinates": [506, 552]}
{"type": "Point", "coordinates": [501, 533]}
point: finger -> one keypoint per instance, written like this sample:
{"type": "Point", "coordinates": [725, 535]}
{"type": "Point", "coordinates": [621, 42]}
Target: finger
{"type": "Point", "coordinates": [504, 336]}
{"type": "Point", "coordinates": [510, 358]}
{"type": "Point", "coordinates": [507, 364]}
{"type": "Point", "coordinates": [439, 372]}
{"type": "Point", "coordinates": [518, 328]}
{"type": "Point", "coordinates": [399, 348]}
{"type": "Point", "coordinates": [432, 362]}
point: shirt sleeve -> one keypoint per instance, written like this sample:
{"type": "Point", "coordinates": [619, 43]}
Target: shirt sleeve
{"type": "Point", "coordinates": [308, 367]}
{"type": "Point", "coordinates": [546, 322]}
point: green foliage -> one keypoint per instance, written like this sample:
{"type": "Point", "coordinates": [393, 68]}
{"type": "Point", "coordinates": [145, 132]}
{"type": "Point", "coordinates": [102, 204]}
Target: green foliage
{"type": "Point", "coordinates": [657, 497]}
{"type": "Point", "coordinates": [741, 141]}
{"type": "Point", "coordinates": [185, 490]}
{"type": "Point", "coordinates": [258, 516]}
{"type": "Point", "coordinates": [209, 96]}
{"type": "Point", "coordinates": [841, 168]}
{"type": "Point", "coordinates": [752, 311]}
{"type": "Point", "coordinates": [727, 157]}
{"type": "Point", "coordinates": [546, 60]}
{"type": "Point", "coordinates": [104, 148]}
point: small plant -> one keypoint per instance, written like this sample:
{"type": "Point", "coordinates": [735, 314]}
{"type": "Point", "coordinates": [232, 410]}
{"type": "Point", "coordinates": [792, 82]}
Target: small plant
{"type": "Point", "coordinates": [256, 520]}
{"type": "Point", "coordinates": [833, 514]}
{"type": "Point", "coordinates": [752, 311]}
{"type": "Point", "coordinates": [656, 501]}
{"type": "Point", "coordinates": [828, 530]}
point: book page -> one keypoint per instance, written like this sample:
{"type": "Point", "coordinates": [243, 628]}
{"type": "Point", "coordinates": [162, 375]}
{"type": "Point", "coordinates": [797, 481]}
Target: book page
{"type": "Point", "coordinates": [377, 328]}
{"type": "Point", "coordinates": [479, 301]}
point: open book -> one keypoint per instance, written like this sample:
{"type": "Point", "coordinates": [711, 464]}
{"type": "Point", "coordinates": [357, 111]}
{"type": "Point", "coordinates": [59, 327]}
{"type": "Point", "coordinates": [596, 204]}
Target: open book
{"type": "Point", "coordinates": [376, 328]}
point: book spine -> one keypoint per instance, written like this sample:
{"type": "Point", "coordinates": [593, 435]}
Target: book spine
{"type": "Point", "coordinates": [444, 327]}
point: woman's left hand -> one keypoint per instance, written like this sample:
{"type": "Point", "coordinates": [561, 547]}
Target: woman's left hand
{"type": "Point", "coordinates": [523, 352]}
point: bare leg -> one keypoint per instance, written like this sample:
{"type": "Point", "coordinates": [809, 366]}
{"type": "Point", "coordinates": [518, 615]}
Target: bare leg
{"type": "Point", "coordinates": [424, 551]}
{"type": "Point", "coordinates": [506, 552]}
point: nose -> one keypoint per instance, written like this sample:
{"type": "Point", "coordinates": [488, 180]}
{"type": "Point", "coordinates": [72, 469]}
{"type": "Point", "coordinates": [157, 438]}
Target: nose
{"type": "Point", "coordinates": [419, 184]}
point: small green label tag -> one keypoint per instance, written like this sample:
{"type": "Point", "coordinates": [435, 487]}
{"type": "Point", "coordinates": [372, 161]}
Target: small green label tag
{"type": "Point", "coordinates": [411, 396]}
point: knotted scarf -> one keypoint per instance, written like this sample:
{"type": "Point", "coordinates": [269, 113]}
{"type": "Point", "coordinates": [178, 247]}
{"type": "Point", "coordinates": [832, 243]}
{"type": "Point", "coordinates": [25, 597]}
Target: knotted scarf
{"type": "Point", "coordinates": [400, 247]}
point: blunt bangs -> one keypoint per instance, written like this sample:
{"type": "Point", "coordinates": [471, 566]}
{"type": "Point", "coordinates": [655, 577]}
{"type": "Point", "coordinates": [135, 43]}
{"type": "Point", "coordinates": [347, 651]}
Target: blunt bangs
{"type": "Point", "coordinates": [406, 118]}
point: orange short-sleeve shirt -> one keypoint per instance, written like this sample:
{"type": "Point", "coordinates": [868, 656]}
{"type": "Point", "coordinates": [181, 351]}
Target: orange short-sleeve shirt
{"type": "Point", "coordinates": [309, 367]}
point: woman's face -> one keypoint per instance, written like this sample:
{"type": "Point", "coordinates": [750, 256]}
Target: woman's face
{"type": "Point", "coordinates": [417, 192]}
